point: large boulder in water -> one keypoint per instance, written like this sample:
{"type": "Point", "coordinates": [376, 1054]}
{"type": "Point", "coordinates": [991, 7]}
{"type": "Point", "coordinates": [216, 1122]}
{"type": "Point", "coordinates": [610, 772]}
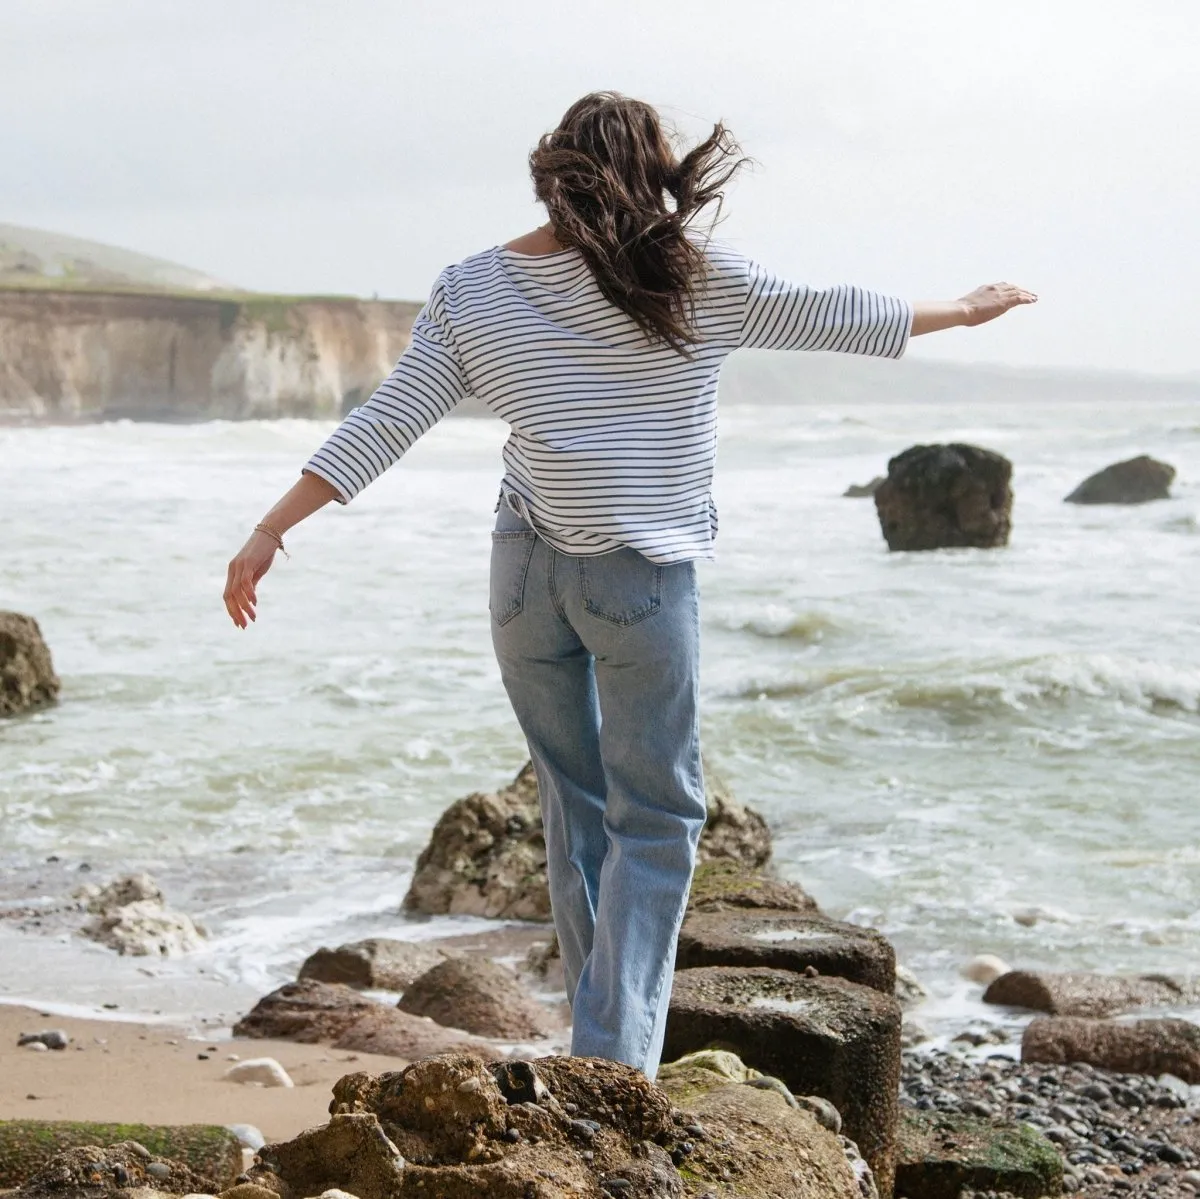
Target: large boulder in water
{"type": "Point", "coordinates": [487, 853]}
{"type": "Point", "coordinates": [1135, 481]}
{"type": "Point", "coordinates": [27, 678]}
{"type": "Point", "coordinates": [943, 496]}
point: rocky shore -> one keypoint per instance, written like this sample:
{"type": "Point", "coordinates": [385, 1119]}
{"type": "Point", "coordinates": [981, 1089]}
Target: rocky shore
{"type": "Point", "coordinates": [795, 1064]}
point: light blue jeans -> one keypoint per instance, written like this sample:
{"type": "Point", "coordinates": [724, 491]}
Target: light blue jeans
{"type": "Point", "coordinates": [600, 658]}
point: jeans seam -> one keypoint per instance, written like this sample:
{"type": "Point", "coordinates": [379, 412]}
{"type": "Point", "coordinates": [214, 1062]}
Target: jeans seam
{"type": "Point", "coordinates": [681, 911]}
{"type": "Point", "coordinates": [552, 587]}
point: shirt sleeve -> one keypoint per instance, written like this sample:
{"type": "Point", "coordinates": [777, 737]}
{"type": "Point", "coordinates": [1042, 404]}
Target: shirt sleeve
{"type": "Point", "coordinates": [425, 384]}
{"type": "Point", "coordinates": [848, 320]}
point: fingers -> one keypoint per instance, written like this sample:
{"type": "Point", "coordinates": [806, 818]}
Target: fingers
{"type": "Point", "coordinates": [240, 596]}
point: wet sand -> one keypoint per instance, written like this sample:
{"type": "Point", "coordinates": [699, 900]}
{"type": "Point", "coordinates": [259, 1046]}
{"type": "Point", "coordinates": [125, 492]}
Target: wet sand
{"type": "Point", "coordinates": [154, 1074]}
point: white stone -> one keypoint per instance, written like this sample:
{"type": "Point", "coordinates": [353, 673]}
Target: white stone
{"type": "Point", "coordinates": [985, 968]}
{"type": "Point", "coordinates": [248, 1134]}
{"type": "Point", "coordinates": [334, 1193]}
{"type": "Point", "coordinates": [37, 1046]}
{"type": "Point", "coordinates": [144, 929]}
{"type": "Point", "coordinates": [265, 1071]}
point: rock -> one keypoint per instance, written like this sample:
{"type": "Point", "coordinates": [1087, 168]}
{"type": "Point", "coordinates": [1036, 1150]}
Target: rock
{"type": "Point", "coordinates": [251, 1190]}
{"type": "Point", "coordinates": [487, 853]}
{"type": "Point", "coordinates": [264, 1071]}
{"type": "Point", "coordinates": [1080, 994]}
{"type": "Point", "coordinates": [544, 962]}
{"type": "Point", "coordinates": [910, 991]}
{"type": "Point", "coordinates": [938, 496]}
{"type": "Point", "coordinates": [1153, 1047]}
{"type": "Point", "coordinates": [787, 941]}
{"type": "Point", "coordinates": [393, 1033]}
{"type": "Point", "coordinates": [479, 996]}
{"type": "Point", "coordinates": [557, 1127]}
{"type": "Point", "coordinates": [723, 1065]}
{"type": "Point", "coordinates": [725, 886]}
{"type": "Point", "coordinates": [248, 1135]}
{"type": "Point", "coordinates": [863, 491]}
{"type": "Point", "coordinates": [50, 1038]}
{"type": "Point", "coordinates": [27, 678]}
{"type": "Point", "coordinates": [36, 1045]}
{"type": "Point", "coordinates": [795, 1156]}
{"type": "Point", "coordinates": [210, 1153]}
{"type": "Point", "coordinates": [732, 832]}
{"type": "Point", "coordinates": [1135, 481]}
{"type": "Point", "coordinates": [379, 963]}
{"type": "Point", "coordinates": [820, 1036]}
{"type": "Point", "coordinates": [308, 1011]}
{"type": "Point", "coordinates": [827, 1116]}
{"type": "Point", "coordinates": [118, 1169]}
{"type": "Point", "coordinates": [940, 1154]}
{"type": "Point", "coordinates": [984, 968]}
{"type": "Point", "coordinates": [707, 1084]}
{"type": "Point", "coordinates": [351, 1153]}
{"type": "Point", "coordinates": [130, 916]}
{"type": "Point", "coordinates": [129, 888]}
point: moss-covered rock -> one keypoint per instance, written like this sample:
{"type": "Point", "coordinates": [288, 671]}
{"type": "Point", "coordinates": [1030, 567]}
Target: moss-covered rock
{"type": "Point", "coordinates": [126, 1168]}
{"type": "Point", "coordinates": [27, 1145]}
{"type": "Point", "coordinates": [722, 885]}
{"type": "Point", "coordinates": [940, 1154]}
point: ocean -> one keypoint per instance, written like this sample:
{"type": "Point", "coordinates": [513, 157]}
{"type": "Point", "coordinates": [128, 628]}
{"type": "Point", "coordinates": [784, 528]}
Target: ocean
{"type": "Point", "coordinates": [974, 751]}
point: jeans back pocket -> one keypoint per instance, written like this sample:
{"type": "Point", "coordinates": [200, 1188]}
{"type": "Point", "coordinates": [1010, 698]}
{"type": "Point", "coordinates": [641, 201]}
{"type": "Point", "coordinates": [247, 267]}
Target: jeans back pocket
{"type": "Point", "coordinates": [622, 587]}
{"type": "Point", "coordinates": [511, 552]}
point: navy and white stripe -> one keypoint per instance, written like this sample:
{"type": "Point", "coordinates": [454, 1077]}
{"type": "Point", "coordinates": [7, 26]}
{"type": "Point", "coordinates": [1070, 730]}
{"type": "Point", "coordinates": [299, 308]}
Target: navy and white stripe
{"type": "Point", "coordinates": [612, 439]}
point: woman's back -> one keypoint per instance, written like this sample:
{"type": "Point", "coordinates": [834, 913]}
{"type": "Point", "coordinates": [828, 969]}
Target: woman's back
{"type": "Point", "coordinates": [613, 435]}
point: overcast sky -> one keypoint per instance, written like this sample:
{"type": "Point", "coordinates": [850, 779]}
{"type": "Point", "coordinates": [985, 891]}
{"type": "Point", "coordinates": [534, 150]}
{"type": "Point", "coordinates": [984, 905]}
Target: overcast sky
{"type": "Point", "coordinates": [916, 146]}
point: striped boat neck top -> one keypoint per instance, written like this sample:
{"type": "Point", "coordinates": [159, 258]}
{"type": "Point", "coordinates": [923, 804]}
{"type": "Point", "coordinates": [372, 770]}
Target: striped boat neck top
{"type": "Point", "coordinates": [612, 438]}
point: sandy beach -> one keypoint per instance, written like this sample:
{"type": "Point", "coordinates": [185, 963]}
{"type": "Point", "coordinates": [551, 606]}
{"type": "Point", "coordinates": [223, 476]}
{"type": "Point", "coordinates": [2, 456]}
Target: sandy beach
{"type": "Point", "coordinates": [155, 1074]}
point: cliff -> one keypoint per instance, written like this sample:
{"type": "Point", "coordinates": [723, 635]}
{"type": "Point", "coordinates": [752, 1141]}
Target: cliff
{"type": "Point", "coordinates": [69, 355]}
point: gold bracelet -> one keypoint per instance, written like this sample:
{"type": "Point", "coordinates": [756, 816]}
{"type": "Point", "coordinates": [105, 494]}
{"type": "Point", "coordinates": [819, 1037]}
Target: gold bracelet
{"type": "Point", "coordinates": [270, 532]}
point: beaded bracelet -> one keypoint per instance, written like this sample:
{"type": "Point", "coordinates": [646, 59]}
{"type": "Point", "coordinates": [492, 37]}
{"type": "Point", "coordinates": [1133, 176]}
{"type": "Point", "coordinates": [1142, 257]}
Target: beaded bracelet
{"type": "Point", "coordinates": [270, 532]}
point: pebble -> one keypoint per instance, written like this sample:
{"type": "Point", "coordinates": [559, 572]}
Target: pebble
{"type": "Point", "coordinates": [158, 1170]}
{"type": "Point", "coordinates": [52, 1038]}
{"type": "Point", "coordinates": [36, 1046]}
{"type": "Point", "coordinates": [260, 1071]}
{"type": "Point", "coordinates": [248, 1135]}
{"type": "Point", "coordinates": [1115, 1132]}
{"type": "Point", "coordinates": [984, 968]}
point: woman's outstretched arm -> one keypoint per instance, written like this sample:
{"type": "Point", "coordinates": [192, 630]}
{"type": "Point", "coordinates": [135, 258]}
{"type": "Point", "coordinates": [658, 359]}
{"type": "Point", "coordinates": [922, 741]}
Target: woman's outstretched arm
{"type": "Point", "coordinates": [254, 559]}
{"type": "Point", "coordinates": [982, 305]}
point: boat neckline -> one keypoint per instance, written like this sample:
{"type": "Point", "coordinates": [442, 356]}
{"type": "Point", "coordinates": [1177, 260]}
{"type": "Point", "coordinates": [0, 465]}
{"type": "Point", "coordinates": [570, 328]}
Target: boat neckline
{"type": "Point", "coordinates": [537, 257]}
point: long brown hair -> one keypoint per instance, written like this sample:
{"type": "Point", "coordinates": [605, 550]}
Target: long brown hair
{"type": "Point", "coordinates": [615, 191]}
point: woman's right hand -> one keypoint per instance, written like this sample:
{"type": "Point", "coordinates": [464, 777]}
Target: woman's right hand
{"type": "Point", "coordinates": [249, 565]}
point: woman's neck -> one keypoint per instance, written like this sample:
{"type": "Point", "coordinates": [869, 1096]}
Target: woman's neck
{"type": "Point", "coordinates": [540, 241]}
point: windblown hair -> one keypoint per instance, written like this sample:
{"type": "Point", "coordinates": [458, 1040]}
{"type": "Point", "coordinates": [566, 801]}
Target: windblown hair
{"type": "Point", "coordinates": [615, 191]}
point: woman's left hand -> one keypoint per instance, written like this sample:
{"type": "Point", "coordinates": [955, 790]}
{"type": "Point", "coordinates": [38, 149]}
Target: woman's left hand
{"type": "Point", "coordinates": [249, 565]}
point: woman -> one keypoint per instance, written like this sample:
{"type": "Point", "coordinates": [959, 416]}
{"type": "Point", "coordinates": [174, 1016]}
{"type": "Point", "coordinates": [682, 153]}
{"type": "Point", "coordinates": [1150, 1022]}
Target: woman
{"type": "Point", "coordinates": [598, 338]}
